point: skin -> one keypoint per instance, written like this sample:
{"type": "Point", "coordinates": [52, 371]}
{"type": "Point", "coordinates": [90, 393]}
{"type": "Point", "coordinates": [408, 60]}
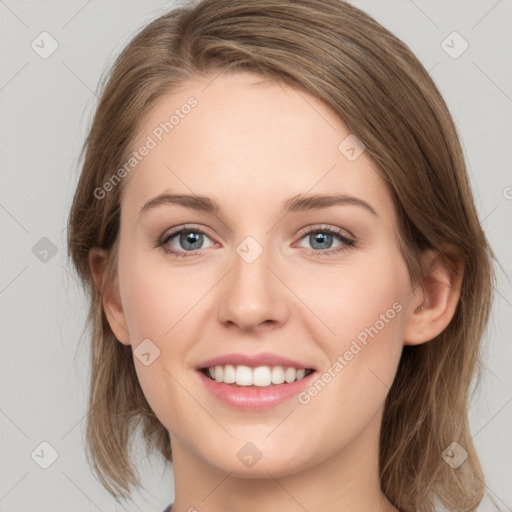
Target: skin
{"type": "Point", "coordinates": [250, 145]}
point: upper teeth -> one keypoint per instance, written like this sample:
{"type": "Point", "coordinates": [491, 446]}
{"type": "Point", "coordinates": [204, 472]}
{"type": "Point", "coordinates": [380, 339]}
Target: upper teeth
{"type": "Point", "coordinates": [261, 376]}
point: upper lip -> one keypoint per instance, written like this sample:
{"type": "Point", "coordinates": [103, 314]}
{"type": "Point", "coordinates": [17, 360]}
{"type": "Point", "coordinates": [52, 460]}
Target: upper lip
{"type": "Point", "coordinates": [253, 361]}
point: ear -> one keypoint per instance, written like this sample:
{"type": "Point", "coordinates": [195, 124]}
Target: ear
{"type": "Point", "coordinates": [106, 283]}
{"type": "Point", "coordinates": [434, 304]}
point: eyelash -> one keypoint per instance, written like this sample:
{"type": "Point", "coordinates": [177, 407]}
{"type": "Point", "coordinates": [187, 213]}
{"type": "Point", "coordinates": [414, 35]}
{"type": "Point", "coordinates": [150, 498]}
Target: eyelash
{"type": "Point", "coordinates": [348, 242]}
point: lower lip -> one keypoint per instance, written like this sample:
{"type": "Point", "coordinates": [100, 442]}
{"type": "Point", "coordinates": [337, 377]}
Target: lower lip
{"type": "Point", "coordinates": [254, 398]}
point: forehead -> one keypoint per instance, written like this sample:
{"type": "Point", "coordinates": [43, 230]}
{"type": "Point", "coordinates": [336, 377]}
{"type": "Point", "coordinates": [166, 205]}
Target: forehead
{"type": "Point", "coordinates": [248, 142]}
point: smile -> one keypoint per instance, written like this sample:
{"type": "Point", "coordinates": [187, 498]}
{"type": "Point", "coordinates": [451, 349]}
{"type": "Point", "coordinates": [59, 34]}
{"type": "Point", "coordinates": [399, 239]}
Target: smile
{"type": "Point", "coordinates": [261, 376]}
{"type": "Point", "coordinates": [255, 397]}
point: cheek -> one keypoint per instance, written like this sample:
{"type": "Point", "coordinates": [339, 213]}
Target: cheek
{"type": "Point", "coordinates": [353, 300]}
{"type": "Point", "coordinates": [366, 312]}
{"type": "Point", "coordinates": [161, 305]}
{"type": "Point", "coordinates": [156, 304]}
{"type": "Point", "coordinates": [155, 301]}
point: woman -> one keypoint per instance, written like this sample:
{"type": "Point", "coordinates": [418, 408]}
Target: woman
{"type": "Point", "coordinates": [289, 282]}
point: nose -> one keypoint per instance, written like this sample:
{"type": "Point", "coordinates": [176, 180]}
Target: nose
{"type": "Point", "coordinates": [253, 295]}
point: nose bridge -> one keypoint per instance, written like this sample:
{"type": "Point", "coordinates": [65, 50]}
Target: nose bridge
{"type": "Point", "coordinates": [252, 293]}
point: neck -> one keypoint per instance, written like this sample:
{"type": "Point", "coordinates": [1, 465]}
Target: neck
{"type": "Point", "coordinates": [347, 480]}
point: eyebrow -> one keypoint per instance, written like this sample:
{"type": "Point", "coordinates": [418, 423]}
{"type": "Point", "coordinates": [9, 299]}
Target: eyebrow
{"type": "Point", "coordinates": [298, 203]}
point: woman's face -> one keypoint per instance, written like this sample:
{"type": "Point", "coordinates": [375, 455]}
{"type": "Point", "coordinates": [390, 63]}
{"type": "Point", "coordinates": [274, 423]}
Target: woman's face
{"type": "Point", "coordinates": [308, 284]}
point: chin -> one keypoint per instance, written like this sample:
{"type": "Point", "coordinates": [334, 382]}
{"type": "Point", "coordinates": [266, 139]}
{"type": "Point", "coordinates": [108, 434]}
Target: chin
{"type": "Point", "coordinates": [249, 462]}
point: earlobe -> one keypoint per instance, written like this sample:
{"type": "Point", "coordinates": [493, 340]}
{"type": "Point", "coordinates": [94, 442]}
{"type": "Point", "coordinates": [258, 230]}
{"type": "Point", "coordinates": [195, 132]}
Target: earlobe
{"type": "Point", "coordinates": [435, 303]}
{"type": "Point", "coordinates": [109, 292]}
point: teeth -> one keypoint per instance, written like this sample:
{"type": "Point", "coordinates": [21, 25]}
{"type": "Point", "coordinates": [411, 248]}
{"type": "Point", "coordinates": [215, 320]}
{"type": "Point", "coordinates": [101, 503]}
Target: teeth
{"type": "Point", "coordinates": [290, 374]}
{"type": "Point", "coordinates": [277, 375]}
{"type": "Point", "coordinates": [262, 376]}
{"type": "Point", "coordinates": [243, 375]}
{"type": "Point", "coordinates": [229, 374]}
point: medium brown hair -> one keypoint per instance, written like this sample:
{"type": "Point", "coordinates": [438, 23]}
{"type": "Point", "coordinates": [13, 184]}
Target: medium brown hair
{"type": "Point", "coordinates": [384, 95]}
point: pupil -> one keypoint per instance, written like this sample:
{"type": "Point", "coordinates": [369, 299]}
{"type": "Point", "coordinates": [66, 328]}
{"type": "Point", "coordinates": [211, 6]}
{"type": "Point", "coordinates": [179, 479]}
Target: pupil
{"type": "Point", "coordinates": [320, 238]}
{"type": "Point", "coordinates": [192, 238]}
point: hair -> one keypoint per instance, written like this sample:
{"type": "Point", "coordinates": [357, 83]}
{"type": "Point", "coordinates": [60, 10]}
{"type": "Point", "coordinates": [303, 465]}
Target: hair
{"type": "Point", "coordinates": [382, 93]}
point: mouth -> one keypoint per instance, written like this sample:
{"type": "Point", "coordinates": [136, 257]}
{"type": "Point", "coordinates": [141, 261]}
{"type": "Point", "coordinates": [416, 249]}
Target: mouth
{"type": "Point", "coordinates": [258, 377]}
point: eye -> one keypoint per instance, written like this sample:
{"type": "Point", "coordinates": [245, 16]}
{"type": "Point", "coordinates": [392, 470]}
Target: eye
{"type": "Point", "coordinates": [188, 240]}
{"type": "Point", "coordinates": [322, 238]}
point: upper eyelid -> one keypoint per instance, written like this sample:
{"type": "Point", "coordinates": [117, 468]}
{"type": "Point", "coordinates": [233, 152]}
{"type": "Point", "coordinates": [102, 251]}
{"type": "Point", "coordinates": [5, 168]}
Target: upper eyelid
{"type": "Point", "coordinates": [307, 229]}
{"type": "Point", "coordinates": [302, 233]}
{"type": "Point", "coordinates": [325, 227]}
{"type": "Point", "coordinates": [176, 231]}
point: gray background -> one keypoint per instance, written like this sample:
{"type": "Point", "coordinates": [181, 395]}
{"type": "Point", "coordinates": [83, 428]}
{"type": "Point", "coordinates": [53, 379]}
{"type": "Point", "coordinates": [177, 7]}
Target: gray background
{"type": "Point", "coordinates": [46, 107]}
